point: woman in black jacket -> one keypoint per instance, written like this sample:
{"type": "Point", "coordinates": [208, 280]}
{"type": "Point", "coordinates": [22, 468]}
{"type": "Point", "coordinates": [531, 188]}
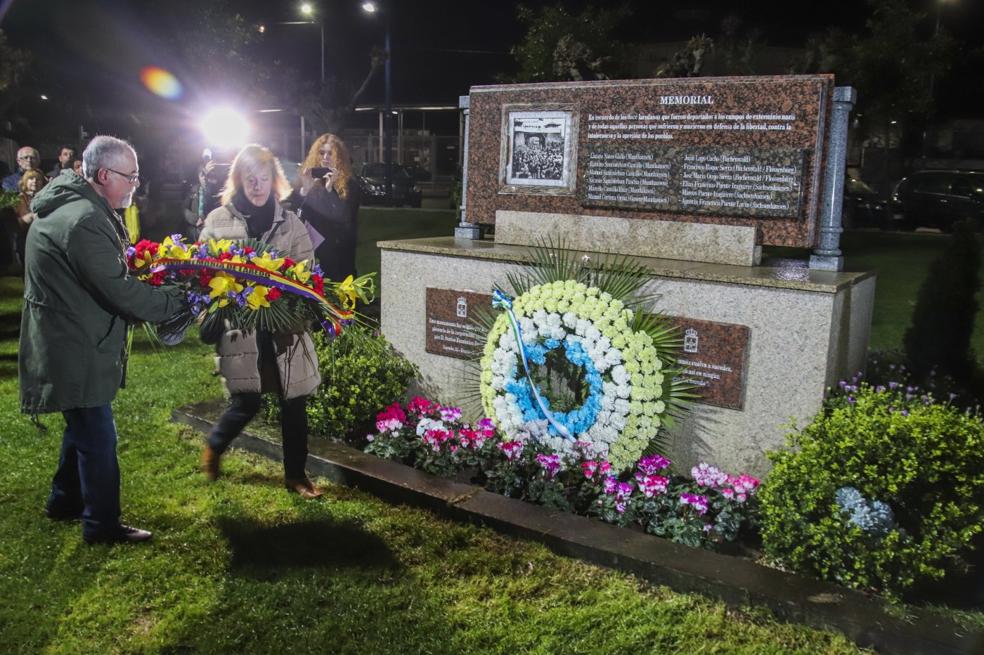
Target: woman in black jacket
{"type": "Point", "coordinates": [329, 206]}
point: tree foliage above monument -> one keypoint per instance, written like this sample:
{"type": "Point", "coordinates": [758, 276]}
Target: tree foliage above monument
{"type": "Point", "coordinates": [560, 45]}
{"type": "Point", "coordinates": [894, 64]}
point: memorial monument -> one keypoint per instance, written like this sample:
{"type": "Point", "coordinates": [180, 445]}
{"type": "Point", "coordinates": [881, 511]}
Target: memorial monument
{"type": "Point", "coordinates": [691, 178]}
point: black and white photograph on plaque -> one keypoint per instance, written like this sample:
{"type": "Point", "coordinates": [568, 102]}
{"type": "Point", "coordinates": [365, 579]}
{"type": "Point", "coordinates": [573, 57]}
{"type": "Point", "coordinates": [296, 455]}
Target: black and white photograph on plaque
{"type": "Point", "coordinates": [539, 148]}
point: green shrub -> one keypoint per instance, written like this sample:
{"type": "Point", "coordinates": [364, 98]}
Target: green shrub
{"type": "Point", "coordinates": [360, 375]}
{"type": "Point", "coordinates": [884, 489]}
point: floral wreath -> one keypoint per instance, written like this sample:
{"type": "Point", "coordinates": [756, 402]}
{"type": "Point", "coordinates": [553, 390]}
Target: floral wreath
{"type": "Point", "coordinates": [623, 371]}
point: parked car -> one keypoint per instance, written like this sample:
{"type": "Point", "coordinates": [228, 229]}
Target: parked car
{"type": "Point", "coordinates": [373, 180]}
{"type": "Point", "coordinates": [863, 206]}
{"type": "Point", "coordinates": [938, 199]}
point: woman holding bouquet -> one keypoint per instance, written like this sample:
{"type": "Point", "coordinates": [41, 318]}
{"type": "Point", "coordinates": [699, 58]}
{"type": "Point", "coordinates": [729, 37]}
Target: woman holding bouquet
{"type": "Point", "coordinates": [254, 362]}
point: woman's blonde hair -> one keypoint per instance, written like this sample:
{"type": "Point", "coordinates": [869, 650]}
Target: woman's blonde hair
{"type": "Point", "coordinates": [35, 174]}
{"type": "Point", "coordinates": [253, 158]}
{"type": "Point", "coordinates": [340, 160]}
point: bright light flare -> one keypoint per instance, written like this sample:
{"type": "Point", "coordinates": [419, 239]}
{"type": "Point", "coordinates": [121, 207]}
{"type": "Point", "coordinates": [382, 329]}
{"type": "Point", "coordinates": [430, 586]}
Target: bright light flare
{"type": "Point", "coordinates": [225, 127]}
{"type": "Point", "coordinates": [307, 8]}
{"type": "Point", "coordinates": [161, 82]}
{"type": "Point", "coordinates": [370, 7]}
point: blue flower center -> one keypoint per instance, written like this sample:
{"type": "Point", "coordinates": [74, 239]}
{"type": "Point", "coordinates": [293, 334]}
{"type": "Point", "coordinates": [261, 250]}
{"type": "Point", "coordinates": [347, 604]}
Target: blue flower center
{"type": "Point", "coordinates": [579, 418]}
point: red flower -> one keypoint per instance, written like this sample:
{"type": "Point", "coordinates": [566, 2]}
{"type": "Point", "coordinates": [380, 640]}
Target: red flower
{"type": "Point", "coordinates": [225, 256]}
{"type": "Point", "coordinates": [319, 284]}
{"type": "Point", "coordinates": [145, 244]}
{"type": "Point", "coordinates": [273, 294]}
{"type": "Point", "coordinates": [288, 262]}
{"type": "Point", "coordinates": [204, 277]}
{"type": "Point", "coordinates": [157, 279]}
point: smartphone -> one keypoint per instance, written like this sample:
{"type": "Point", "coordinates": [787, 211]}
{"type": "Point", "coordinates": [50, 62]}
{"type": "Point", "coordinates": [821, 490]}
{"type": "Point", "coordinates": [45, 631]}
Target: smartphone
{"type": "Point", "coordinates": [220, 170]}
{"type": "Point", "coordinates": [320, 171]}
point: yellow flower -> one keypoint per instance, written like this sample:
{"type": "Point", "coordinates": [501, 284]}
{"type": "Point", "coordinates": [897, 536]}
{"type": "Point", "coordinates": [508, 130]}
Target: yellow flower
{"type": "Point", "coordinates": [269, 263]}
{"type": "Point", "coordinates": [301, 274]}
{"type": "Point", "coordinates": [221, 285]}
{"type": "Point", "coordinates": [258, 298]}
{"type": "Point", "coordinates": [219, 246]}
{"type": "Point", "coordinates": [139, 262]}
{"type": "Point", "coordinates": [346, 292]}
{"type": "Point", "coordinates": [171, 250]}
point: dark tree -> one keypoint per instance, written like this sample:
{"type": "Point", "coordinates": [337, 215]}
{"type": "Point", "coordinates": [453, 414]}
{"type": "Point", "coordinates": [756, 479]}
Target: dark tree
{"type": "Point", "coordinates": [560, 45]}
{"type": "Point", "coordinates": [943, 320]}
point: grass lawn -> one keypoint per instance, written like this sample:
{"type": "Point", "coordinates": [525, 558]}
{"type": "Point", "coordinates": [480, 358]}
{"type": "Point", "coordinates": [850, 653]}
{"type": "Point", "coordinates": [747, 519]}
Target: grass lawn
{"type": "Point", "coordinates": [240, 566]}
{"type": "Point", "coordinates": [383, 224]}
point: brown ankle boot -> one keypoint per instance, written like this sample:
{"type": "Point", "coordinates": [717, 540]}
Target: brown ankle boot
{"type": "Point", "coordinates": [304, 487]}
{"type": "Point", "coordinates": [210, 464]}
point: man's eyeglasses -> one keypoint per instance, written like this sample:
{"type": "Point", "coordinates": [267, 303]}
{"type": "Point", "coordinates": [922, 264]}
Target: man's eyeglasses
{"type": "Point", "coordinates": [131, 178]}
{"type": "Point", "coordinates": [27, 158]}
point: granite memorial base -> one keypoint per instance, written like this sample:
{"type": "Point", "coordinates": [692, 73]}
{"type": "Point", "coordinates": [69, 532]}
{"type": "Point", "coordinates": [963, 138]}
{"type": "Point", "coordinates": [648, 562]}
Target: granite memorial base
{"type": "Point", "coordinates": [762, 344]}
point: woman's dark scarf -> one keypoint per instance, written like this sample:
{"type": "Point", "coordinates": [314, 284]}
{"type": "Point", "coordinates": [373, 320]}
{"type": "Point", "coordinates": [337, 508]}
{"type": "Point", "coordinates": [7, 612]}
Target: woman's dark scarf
{"type": "Point", "coordinates": [258, 219]}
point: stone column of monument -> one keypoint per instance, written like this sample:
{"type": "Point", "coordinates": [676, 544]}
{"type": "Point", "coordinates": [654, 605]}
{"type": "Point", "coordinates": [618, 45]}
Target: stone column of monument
{"type": "Point", "coordinates": [464, 229]}
{"type": "Point", "coordinates": [828, 256]}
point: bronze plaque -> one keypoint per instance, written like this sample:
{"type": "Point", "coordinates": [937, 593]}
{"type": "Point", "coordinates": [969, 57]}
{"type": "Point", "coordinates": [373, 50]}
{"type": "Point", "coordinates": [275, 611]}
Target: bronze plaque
{"type": "Point", "coordinates": [714, 358]}
{"type": "Point", "coordinates": [450, 330]}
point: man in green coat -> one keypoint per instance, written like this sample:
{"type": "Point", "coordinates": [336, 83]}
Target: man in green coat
{"type": "Point", "coordinates": [78, 301]}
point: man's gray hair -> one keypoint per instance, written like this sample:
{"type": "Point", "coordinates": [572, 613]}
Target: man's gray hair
{"type": "Point", "coordinates": [104, 152]}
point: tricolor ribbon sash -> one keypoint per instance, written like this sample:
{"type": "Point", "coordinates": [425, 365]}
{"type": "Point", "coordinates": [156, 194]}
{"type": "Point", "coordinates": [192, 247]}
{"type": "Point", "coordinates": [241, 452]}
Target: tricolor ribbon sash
{"type": "Point", "coordinates": [502, 300]}
{"type": "Point", "coordinates": [254, 273]}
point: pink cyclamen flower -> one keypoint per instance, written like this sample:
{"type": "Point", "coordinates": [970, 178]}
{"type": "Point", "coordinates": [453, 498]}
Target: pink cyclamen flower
{"type": "Point", "coordinates": [436, 438]}
{"type": "Point", "coordinates": [604, 467]}
{"type": "Point", "coordinates": [550, 464]}
{"type": "Point", "coordinates": [624, 490]}
{"type": "Point", "coordinates": [708, 476]}
{"type": "Point", "coordinates": [449, 413]}
{"type": "Point", "coordinates": [699, 503]}
{"type": "Point", "coordinates": [588, 468]}
{"type": "Point", "coordinates": [511, 449]}
{"type": "Point", "coordinates": [470, 438]}
{"type": "Point", "coordinates": [611, 484]}
{"type": "Point", "coordinates": [487, 427]}
{"type": "Point", "coordinates": [650, 485]}
{"type": "Point", "coordinates": [745, 483]}
{"type": "Point", "coordinates": [420, 405]}
{"type": "Point", "coordinates": [388, 425]}
{"type": "Point", "coordinates": [390, 419]}
{"type": "Point", "coordinates": [653, 464]}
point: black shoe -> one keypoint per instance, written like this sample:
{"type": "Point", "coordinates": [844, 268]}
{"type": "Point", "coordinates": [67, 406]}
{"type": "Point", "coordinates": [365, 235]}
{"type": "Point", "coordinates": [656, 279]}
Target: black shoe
{"type": "Point", "coordinates": [124, 535]}
{"type": "Point", "coordinates": [61, 514]}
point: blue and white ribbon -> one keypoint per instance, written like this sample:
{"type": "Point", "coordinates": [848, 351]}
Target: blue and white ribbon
{"type": "Point", "coordinates": [502, 300]}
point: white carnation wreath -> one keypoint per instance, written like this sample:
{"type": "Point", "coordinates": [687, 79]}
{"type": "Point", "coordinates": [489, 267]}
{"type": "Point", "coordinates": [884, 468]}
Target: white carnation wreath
{"type": "Point", "coordinates": [622, 369]}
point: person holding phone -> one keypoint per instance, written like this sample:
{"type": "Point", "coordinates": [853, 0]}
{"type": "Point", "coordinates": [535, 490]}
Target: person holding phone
{"type": "Point", "coordinates": [329, 205]}
{"type": "Point", "coordinates": [204, 196]}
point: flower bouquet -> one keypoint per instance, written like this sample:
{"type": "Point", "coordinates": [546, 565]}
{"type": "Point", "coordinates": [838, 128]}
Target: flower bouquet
{"type": "Point", "coordinates": [247, 284]}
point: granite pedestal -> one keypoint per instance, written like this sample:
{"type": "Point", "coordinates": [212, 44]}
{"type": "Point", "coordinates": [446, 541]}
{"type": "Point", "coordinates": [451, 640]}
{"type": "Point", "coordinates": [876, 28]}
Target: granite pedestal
{"type": "Point", "coordinates": [806, 330]}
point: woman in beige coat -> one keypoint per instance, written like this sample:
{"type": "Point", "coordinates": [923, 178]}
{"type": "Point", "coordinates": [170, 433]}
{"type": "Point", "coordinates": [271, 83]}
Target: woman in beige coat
{"type": "Point", "coordinates": [253, 362]}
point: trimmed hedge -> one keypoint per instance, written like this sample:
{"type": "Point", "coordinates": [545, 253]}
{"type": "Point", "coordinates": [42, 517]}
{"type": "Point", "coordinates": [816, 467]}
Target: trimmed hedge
{"type": "Point", "coordinates": [883, 490]}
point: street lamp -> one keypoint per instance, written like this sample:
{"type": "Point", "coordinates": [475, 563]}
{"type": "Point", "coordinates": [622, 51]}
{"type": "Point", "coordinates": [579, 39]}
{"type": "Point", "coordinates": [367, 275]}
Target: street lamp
{"type": "Point", "coordinates": [372, 8]}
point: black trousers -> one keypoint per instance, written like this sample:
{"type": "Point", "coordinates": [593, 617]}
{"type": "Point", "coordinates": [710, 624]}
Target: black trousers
{"type": "Point", "coordinates": [293, 428]}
